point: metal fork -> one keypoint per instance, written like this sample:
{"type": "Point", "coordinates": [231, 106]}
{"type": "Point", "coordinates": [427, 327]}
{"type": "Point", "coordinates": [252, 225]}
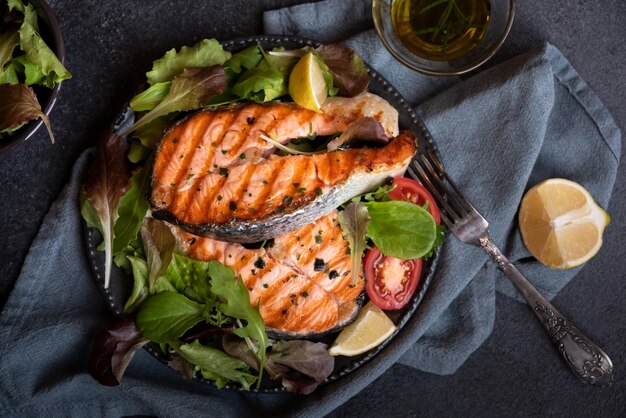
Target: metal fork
{"type": "Point", "coordinates": [584, 357]}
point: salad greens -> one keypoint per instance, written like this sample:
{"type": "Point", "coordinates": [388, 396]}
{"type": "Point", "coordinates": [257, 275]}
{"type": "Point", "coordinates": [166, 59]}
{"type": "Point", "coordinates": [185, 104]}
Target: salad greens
{"type": "Point", "coordinates": [251, 74]}
{"type": "Point", "coordinates": [25, 60]}
{"type": "Point", "coordinates": [200, 312]}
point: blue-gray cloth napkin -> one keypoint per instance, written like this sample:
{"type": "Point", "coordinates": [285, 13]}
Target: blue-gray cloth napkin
{"type": "Point", "coordinates": [499, 133]}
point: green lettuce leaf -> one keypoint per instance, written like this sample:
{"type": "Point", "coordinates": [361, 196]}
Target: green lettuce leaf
{"type": "Point", "coordinates": [132, 209]}
{"type": "Point", "coordinates": [206, 53]}
{"type": "Point", "coordinates": [32, 72]}
{"type": "Point", "coordinates": [151, 97]}
{"type": "Point", "coordinates": [354, 221]}
{"type": "Point", "coordinates": [138, 152]}
{"type": "Point", "coordinates": [246, 59]}
{"type": "Point", "coordinates": [151, 134]}
{"type": "Point", "coordinates": [190, 277]}
{"type": "Point", "coordinates": [226, 285]}
{"type": "Point", "coordinates": [190, 90]}
{"type": "Point", "coordinates": [216, 365]}
{"type": "Point", "coordinates": [16, 5]}
{"type": "Point", "coordinates": [401, 229]}
{"type": "Point", "coordinates": [8, 41]}
{"type": "Point", "coordinates": [9, 74]}
{"type": "Point", "coordinates": [166, 316]}
{"type": "Point", "coordinates": [140, 284]}
{"type": "Point", "coordinates": [267, 81]}
{"type": "Point", "coordinates": [39, 55]}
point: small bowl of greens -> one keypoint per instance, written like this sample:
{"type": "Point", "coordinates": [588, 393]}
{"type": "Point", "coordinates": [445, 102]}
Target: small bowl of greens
{"type": "Point", "coordinates": [31, 69]}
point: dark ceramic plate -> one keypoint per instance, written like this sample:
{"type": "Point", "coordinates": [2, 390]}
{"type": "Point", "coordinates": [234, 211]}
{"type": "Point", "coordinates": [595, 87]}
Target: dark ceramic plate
{"type": "Point", "coordinates": [121, 283]}
{"type": "Point", "coordinates": [51, 33]}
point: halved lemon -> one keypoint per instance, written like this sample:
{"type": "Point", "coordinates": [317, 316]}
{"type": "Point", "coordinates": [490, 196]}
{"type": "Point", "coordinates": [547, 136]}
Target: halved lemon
{"type": "Point", "coordinates": [307, 86]}
{"type": "Point", "coordinates": [561, 224]}
{"type": "Point", "coordinates": [370, 329]}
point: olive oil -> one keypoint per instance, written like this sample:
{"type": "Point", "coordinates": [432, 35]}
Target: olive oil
{"type": "Point", "coordinates": [440, 30]}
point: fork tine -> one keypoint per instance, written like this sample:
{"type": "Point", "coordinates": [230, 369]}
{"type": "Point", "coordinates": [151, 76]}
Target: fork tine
{"type": "Point", "coordinates": [449, 216]}
{"type": "Point", "coordinates": [433, 158]}
{"type": "Point", "coordinates": [460, 204]}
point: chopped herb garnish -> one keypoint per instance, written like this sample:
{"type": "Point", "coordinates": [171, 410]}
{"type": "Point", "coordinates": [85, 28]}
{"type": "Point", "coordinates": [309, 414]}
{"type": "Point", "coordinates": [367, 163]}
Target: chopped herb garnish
{"type": "Point", "coordinates": [242, 156]}
{"type": "Point", "coordinates": [265, 285]}
{"type": "Point", "coordinates": [219, 197]}
{"type": "Point", "coordinates": [301, 190]}
{"type": "Point", "coordinates": [296, 185]}
{"type": "Point", "coordinates": [265, 182]}
{"type": "Point", "coordinates": [225, 151]}
{"type": "Point", "coordinates": [223, 172]}
{"type": "Point", "coordinates": [287, 199]}
{"type": "Point", "coordinates": [304, 294]}
{"type": "Point", "coordinates": [232, 205]}
{"type": "Point", "coordinates": [333, 274]}
{"type": "Point", "coordinates": [189, 177]}
{"type": "Point", "coordinates": [259, 263]}
{"type": "Point", "coordinates": [320, 265]}
{"type": "Point", "coordinates": [318, 239]}
{"type": "Point", "coordinates": [318, 191]}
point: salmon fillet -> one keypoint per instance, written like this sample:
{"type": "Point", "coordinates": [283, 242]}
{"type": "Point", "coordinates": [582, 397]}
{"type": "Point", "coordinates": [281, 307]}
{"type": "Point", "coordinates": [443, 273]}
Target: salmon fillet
{"type": "Point", "coordinates": [302, 283]}
{"type": "Point", "coordinates": [255, 201]}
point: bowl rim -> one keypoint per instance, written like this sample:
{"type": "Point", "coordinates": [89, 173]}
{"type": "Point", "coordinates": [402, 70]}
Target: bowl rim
{"type": "Point", "coordinates": [378, 25]}
{"type": "Point", "coordinates": [44, 12]}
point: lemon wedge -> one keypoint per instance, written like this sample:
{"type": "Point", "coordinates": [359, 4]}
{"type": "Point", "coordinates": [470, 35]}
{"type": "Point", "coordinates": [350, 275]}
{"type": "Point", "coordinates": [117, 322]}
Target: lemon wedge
{"type": "Point", "coordinates": [307, 86]}
{"type": "Point", "coordinates": [561, 224]}
{"type": "Point", "coordinates": [370, 329]}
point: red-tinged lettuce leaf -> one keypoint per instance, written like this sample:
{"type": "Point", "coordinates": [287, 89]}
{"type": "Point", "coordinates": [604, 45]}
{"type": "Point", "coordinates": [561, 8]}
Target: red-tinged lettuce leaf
{"type": "Point", "coordinates": [300, 365]}
{"type": "Point", "coordinates": [349, 72]}
{"type": "Point", "coordinates": [205, 53]}
{"type": "Point", "coordinates": [182, 366]}
{"type": "Point", "coordinates": [158, 243]}
{"type": "Point", "coordinates": [18, 105]}
{"type": "Point", "coordinates": [354, 220]}
{"type": "Point", "coordinates": [113, 349]}
{"type": "Point", "coordinates": [107, 182]}
{"type": "Point", "coordinates": [190, 90]}
{"type": "Point", "coordinates": [362, 130]}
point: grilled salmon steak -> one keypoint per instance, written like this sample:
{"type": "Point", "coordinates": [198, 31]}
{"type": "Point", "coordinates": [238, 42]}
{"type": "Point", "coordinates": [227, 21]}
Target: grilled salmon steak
{"type": "Point", "coordinates": [255, 201]}
{"type": "Point", "coordinates": [302, 282]}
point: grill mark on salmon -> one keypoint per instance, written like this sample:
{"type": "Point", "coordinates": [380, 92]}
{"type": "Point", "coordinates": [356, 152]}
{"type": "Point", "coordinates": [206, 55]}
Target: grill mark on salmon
{"type": "Point", "coordinates": [324, 182]}
{"type": "Point", "coordinates": [293, 297]}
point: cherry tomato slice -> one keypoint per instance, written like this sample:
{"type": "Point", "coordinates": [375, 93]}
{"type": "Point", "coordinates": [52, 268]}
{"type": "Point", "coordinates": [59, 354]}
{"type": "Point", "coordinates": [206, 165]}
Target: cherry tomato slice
{"type": "Point", "coordinates": [411, 191]}
{"type": "Point", "coordinates": [390, 282]}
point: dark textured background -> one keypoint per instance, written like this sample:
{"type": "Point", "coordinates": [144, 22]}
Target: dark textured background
{"type": "Point", "coordinates": [110, 44]}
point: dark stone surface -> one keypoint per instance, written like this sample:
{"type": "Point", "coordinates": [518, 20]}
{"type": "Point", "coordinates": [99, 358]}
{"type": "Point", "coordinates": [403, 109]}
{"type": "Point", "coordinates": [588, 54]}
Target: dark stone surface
{"type": "Point", "coordinates": [516, 372]}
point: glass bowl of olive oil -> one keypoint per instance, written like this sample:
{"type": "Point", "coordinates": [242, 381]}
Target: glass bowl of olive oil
{"type": "Point", "coordinates": [443, 37]}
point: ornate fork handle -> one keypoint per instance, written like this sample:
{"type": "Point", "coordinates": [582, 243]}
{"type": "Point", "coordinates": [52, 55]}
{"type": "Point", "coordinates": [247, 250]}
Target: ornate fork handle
{"type": "Point", "coordinates": [582, 355]}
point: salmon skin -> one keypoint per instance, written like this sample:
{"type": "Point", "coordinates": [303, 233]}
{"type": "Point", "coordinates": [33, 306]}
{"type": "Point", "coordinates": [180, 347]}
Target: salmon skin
{"type": "Point", "coordinates": [253, 202]}
{"type": "Point", "coordinates": [302, 282]}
